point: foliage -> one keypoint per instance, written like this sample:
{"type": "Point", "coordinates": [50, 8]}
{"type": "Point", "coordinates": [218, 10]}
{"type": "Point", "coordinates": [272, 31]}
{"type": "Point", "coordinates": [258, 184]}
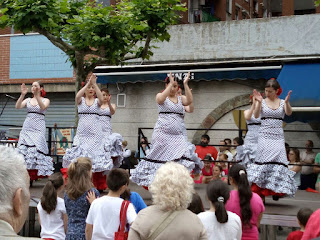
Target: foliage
{"type": "Point", "coordinates": [92, 34]}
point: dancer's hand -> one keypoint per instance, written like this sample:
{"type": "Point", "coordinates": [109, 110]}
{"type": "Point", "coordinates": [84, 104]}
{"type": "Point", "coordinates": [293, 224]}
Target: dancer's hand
{"type": "Point", "coordinates": [257, 96]}
{"type": "Point", "coordinates": [286, 100]}
{"type": "Point", "coordinates": [91, 196]}
{"type": "Point", "coordinates": [186, 79]}
{"type": "Point", "coordinates": [93, 79]}
{"type": "Point", "coordinates": [171, 78]}
{"type": "Point", "coordinates": [24, 90]}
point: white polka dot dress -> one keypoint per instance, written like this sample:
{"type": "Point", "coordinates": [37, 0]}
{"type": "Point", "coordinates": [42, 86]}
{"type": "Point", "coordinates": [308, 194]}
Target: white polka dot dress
{"type": "Point", "coordinates": [247, 152]}
{"type": "Point", "coordinates": [32, 142]}
{"type": "Point", "coordinates": [112, 142]}
{"type": "Point", "coordinates": [270, 168]}
{"type": "Point", "coordinates": [168, 143]}
{"type": "Point", "coordinates": [88, 141]}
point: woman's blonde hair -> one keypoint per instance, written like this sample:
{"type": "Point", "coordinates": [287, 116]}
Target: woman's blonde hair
{"type": "Point", "coordinates": [172, 187]}
{"type": "Point", "coordinates": [79, 177]}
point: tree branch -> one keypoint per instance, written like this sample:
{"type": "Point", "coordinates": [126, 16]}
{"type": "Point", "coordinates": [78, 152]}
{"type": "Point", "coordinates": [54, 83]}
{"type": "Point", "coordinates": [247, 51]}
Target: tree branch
{"type": "Point", "coordinates": [146, 45]}
{"type": "Point", "coordinates": [58, 42]}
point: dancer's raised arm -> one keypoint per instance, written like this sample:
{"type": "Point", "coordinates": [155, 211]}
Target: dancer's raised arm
{"type": "Point", "coordinates": [187, 99]}
{"type": "Point", "coordinates": [21, 103]}
{"type": "Point", "coordinates": [93, 81]}
{"type": "Point", "coordinates": [248, 113]}
{"type": "Point", "coordinates": [161, 97]}
{"type": "Point", "coordinates": [287, 106]}
{"type": "Point", "coordinates": [258, 99]}
{"type": "Point", "coordinates": [37, 94]}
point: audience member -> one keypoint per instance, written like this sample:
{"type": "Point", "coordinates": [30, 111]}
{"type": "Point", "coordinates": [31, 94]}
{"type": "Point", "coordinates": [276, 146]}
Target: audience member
{"type": "Point", "coordinates": [104, 214]}
{"type": "Point", "coordinates": [303, 216]}
{"type": "Point", "coordinates": [312, 229]}
{"type": "Point", "coordinates": [142, 151]}
{"type": "Point", "coordinates": [196, 205]}
{"type": "Point", "coordinates": [308, 178]}
{"type": "Point", "coordinates": [135, 199]}
{"type": "Point", "coordinates": [14, 194]}
{"type": "Point", "coordinates": [126, 164]}
{"type": "Point", "coordinates": [218, 222]}
{"type": "Point", "coordinates": [294, 158]}
{"type": "Point", "coordinates": [223, 150]}
{"type": "Point", "coordinates": [171, 190]}
{"type": "Point", "coordinates": [316, 170]}
{"type": "Point", "coordinates": [80, 193]}
{"type": "Point", "coordinates": [197, 177]}
{"type": "Point", "coordinates": [52, 211]}
{"type": "Point", "coordinates": [207, 169]}
{"type": "Point", "coordinates": [225, 169]}
{"type": "Point", "coordinates": [217, 174]}
{"type": "Point", "coordinates": [203, 149]}
{"type": "Point", "coordinates": [229, 148]}
{"type": "Point", "coordinates": [246, 204]}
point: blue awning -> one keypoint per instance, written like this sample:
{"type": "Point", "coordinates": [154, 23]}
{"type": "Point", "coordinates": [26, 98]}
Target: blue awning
{"type": "Point", "coordinates": [197, 75]}
{"type": "Point", "coordinates": [304, 81]}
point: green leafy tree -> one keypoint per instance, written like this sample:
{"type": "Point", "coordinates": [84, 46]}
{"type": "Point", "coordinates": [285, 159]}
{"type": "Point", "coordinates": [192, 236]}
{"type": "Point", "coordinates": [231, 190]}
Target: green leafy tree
{"type": "Point", "coordinates": [92, 34]}
{"type": "Point", "coordinates": [317, 2]}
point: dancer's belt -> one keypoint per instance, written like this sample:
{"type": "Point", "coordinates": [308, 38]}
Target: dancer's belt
{"type": "Point", "coordinates": [274, 163]}
{"type": "Point", "coordinates": [37, 113]}
{"type": "Point", "coordinates": [264, 118]}
{"type": "Point", "coordinates": [46, 154]}
{"type": "Point", "coordinates": [95, 114]}
{"type": "Point", "coordinates": [254, 124]}
{"type": "Point", "coordinates": [181, 114]}
{"type": "Point", "coordinates": [160, 161]}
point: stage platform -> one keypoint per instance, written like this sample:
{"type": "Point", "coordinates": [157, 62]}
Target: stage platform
{"type": "Point", "coordinates": [278, 213]}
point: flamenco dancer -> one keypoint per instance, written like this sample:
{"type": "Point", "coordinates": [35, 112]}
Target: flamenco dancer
{"type": "Point", "coordinates": [246, 153]}
{"type": "Point", "coordinates": [269, 173]}
{"type": "Point", "coordinates": [88, 141]}
{"type": "Point", "coordinates": [112, 142]}
{"type": "Point", "coordinates": [168, 140]}
{"type": "Point", "coordinates": [32, 142]}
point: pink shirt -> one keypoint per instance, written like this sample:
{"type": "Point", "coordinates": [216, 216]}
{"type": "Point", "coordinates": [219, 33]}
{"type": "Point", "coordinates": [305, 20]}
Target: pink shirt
{"type": "Point", "coordinates": [257, 207]}
{"type": "Point", "coordinates": [312, 229]}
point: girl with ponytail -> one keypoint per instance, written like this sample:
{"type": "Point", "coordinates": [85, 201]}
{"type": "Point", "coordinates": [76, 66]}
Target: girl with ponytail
{"type": "Point", "coordinates": [51, 208]}
{"type": "Point", "coordinates": [218, 222]}
{"type": "Point", "coordinates": [246, 204]}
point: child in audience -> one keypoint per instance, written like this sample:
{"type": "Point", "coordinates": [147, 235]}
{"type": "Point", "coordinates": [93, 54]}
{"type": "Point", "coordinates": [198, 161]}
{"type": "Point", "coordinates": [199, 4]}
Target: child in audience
{"type": "Point", "coordinates": [135, 199]}
{"type": "Point", "coordinates": [312, 229]}
{"type": "Point", "coordinates": [303, 217]}
{"type": "Point", "coordinates": [217, 173]}
{"type": "Point", "coordinates": [51, 209]}
{"type": "Point", "coordinates": [223, 157]}
{"type": "Point", "coordinates": [218, 222]}
{"type": "Point", "coordinates": [104, 215]}
{"type": "Point", "coordinates": [79, 195]}
{"type": "Point", "coordinates": [245, 203]}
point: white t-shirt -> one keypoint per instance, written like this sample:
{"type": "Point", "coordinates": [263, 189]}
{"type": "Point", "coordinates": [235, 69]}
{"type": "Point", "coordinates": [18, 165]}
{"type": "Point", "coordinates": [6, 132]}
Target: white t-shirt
{"type": "Point", "coordinates": [104, 215]}
{"type": "Point", "coordinates": [231, 230]}
{"type": "Point", "coordinates": [52, 225]}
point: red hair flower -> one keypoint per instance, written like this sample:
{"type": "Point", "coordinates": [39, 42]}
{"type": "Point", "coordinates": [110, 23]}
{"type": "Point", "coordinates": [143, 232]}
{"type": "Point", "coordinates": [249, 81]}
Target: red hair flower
{"type": "Point", "coordinates": [279, 91]}
{"type": "Point", "coordinates": [82, 84]}
{"type": "Point", "coordinates": [42, 93]}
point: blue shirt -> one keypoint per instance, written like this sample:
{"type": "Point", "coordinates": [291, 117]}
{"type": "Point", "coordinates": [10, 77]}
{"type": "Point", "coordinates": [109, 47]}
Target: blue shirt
{"type": "Point", "coordinates": [137, 201]}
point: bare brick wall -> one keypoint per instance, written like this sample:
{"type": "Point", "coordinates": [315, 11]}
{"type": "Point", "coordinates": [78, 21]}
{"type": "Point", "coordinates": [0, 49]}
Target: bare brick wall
{"type": "Point", "coordinates": [4, 58]}
{"type": "Point", "coordinates": [287, 7]}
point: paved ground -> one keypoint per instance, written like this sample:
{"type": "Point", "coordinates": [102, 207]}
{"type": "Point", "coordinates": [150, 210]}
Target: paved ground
{"type": "Point", "coordinates": [286, 208]}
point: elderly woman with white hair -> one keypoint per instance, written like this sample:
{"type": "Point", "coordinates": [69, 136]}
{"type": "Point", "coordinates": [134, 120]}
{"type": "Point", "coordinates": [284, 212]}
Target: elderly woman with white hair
{"type": "Point", "coordinates": [168, 218]}
{"type": "Point", "coordinates": [14, 194]}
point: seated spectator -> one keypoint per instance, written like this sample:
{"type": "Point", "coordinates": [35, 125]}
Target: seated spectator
{"type": "Point", "coordinates": [218, 222]}
{"type": "Point", "coordinates": [196, 205]}
{"type": "Point", "coordinates": [171, 190]}
{"type": "Point", "coordinates": [197, 177]}
{"type": "Point", "coordinates": [203, 149]}
{"type": "Point", "coordinates": [246, 204]}
{"type": "Point", "coordinates": [104, 215]}
{"type": "Point", "coordinates": [208, 166]}
{"type": "Point", "coordinates": [14, 194]}
{"type": "Point", "coordinates": [223, 150]}
{"type": "Point", "coordinates": [52, 211]}
{"type": "Point", "coordinates": [144, 148]}
{"type": "Point", "coordinates": [217, 174]}
{"type": "Point", "coordinates": [79, 194]}
{"type": "Point", "coordinates": [135, 199]}
{"type": "Point", "coordinates": [229, 148]}
{"type": "Point", "coordinates": [225, 169]}
{"type": "Point", "coordinates": [308, 178]}
{"type": "Point", "coordinates": [312, 229]}
{"type": "Point", "coordinates": [316, 170]}
{"type": "Point", "coordinates": [126, 164]}
{"type": "Point", "coordinates": [294, 158]}
{"type": "Point", "coordinates": [303, 216]}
